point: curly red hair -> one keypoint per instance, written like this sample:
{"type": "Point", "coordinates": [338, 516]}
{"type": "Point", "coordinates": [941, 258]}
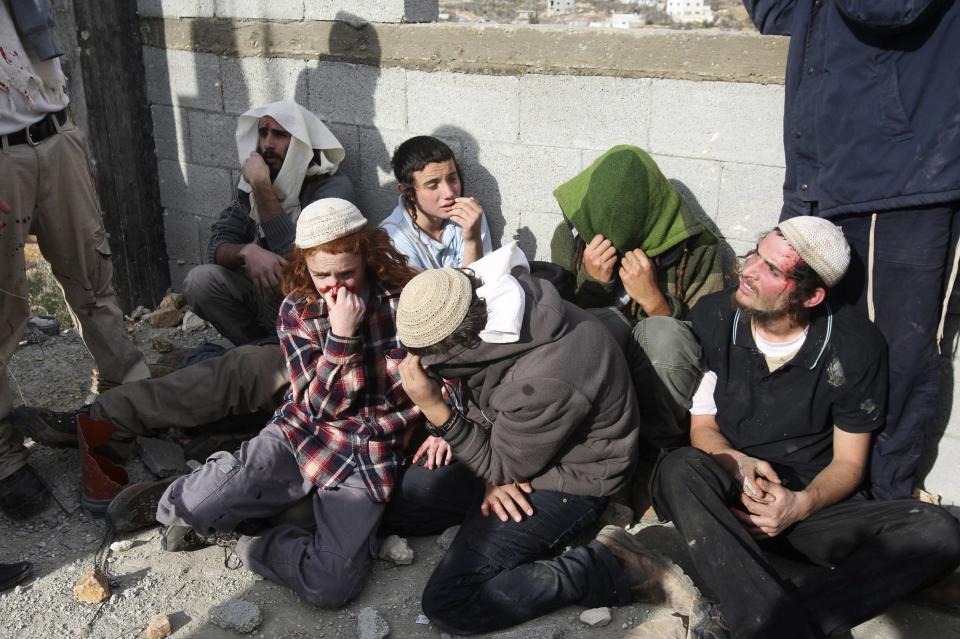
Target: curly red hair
{"type": "Point", "coordinates": [384, 262]}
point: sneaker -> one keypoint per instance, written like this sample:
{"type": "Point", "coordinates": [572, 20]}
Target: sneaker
{"type": "Point", "coordinates": [22, 494]}
{"type": "Point", "coordinates": [135, 506]}
{"type": "Point", "coordinates": [706, 622]}
{"type": "Point", "coordinates": [12, 574]}
{"type": "Point", "coordinates": [48, 427]}
{"type": "Point", "coordinates": [653, 578]}
{"type": "Point", "coordinates": [178, 538]}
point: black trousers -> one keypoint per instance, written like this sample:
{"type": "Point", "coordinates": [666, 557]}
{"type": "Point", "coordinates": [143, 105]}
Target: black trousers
{"type": "Point", "coordinates": [871, 553]}
{"type": "Point", "coordinates": [911, 263]}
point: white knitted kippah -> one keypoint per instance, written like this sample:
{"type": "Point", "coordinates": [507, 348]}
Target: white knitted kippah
{"type": "Point", "coordinates": [820, 243]}
{"type": "Point", "coordinates": [327, 220]}
{"type": "Point", "coordinates": [432, 305]}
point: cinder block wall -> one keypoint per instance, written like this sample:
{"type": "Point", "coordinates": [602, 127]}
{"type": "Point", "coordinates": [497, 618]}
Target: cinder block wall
{"type": "Point", "coordinates": [525, 108]}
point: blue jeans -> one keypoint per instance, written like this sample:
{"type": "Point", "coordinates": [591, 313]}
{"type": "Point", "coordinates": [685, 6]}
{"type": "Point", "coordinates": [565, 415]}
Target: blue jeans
{"type": "Point", "coordinates": [498, 574]}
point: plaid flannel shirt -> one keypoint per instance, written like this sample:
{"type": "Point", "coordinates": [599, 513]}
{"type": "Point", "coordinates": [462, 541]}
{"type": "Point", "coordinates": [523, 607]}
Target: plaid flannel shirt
{"type": "Point", "coordinates": [345, 411]}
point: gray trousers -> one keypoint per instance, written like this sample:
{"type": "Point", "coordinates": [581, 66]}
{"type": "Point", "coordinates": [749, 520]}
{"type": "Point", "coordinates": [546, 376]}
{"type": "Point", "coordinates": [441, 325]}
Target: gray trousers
{"type": "Point", "coordinates": [665, 360]}
{"type": "Point", "coordinates": [52, 195]}
{"type": "Point", "coordinates": [243, 380]}
{"type": "Point", "coordinates": [327, 567]}
{"type": "Point", "coordinates": [227, 299]}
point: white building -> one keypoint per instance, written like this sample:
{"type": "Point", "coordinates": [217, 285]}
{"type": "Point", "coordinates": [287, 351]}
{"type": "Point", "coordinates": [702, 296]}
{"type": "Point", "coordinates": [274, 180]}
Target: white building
{"type": "Point", "coordinates": [627, 21]}
{"type": "Point", "coordinates": [689, 11]}
{"type": "Point", "coordinates": [560, 7]}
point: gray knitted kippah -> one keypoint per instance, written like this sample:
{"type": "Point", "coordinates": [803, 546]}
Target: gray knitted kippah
{"type": "Point", "coordinates": [432, 305]}
{"type": "Point", "coordinates": [327, 220]}
{"type": "Point", "coordinates": [820, 243]}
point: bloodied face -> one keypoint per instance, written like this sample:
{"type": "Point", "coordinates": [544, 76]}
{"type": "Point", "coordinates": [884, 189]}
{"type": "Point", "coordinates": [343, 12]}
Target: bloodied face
{"type": "Point", "coordinates": [331, 271]}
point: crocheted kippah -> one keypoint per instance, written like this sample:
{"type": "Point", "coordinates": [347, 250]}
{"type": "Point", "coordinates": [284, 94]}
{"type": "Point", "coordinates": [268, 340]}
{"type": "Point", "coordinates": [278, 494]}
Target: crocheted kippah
{"type": "Point", "coordinates": [432, 305]}
{"type": "Point", "coordinates": [326, 220]}
{"type": "Point", "coordinates": [820, 243]}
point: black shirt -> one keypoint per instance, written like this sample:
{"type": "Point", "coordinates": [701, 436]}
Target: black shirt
{"type": "Point", "coordinates": [838, 377]}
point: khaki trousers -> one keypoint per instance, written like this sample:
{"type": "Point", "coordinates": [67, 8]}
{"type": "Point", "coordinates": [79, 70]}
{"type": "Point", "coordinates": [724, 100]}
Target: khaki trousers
{"type": "Point", "coordinates": [50, 190]}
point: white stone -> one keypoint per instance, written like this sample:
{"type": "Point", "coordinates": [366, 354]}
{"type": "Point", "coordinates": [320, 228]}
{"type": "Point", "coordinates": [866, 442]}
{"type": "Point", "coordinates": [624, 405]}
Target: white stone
{"type": "Point", "coordinates": [596, 617]}
{"type": "Point", "coordinates": [121, 546]}
{"type": "Point", "coordinates": [396, 549]}
{"type": "Point", "coordinates": [192, 322]}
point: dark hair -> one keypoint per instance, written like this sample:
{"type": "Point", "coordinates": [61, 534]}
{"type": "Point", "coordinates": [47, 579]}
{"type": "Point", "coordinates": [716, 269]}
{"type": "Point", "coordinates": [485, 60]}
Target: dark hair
{"type": "Point", "coordinates": [414, 155]}
{"type": "Point", "coordinates": [384, 262]}
{"type": "Point", "coordinates": [807, 282]}
{"type": "Point", "coordinates": [467, 334]}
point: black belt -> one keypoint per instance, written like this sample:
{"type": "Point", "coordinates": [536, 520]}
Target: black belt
{"type": "Point", "coordinates": [38, 131]}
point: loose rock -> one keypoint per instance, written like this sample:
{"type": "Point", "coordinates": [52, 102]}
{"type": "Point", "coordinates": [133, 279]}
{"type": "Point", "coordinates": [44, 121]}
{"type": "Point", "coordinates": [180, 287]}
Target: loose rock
{"type": "Point", "coordinates": [192, 322]}
{"type": "Point", "coordinates": [92, 588]}
{"type": "Point", "coordinates": [596, 617]}
{"type": "Point", "coordinates": [397, 550]}
{"type": "Point", "coordinates": [161, 457]}
{"type": "Point", "coordinates": [236, 614]}
{"type": "Point", "coordinates": [165, 317]}
{"type": "Point", "coordinates": [121, 546]}
{"type": "Point", "coordinates": [447, 537]}
{"type": "Point", "coordinates": [161, 344]}
{"type": "Point", "coordinates": [158, 627]}
{"type": "Point", "coordinates": [372, 625]}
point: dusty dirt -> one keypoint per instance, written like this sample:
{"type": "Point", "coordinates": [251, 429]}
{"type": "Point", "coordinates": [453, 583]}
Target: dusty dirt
{"type": "Point", "coordinates": [63, 540]}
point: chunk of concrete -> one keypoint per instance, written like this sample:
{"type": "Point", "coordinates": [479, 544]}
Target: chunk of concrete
{"type": "Point", "coordinates": [396, 549]}
{"type": "Point", "coordinates": [158, 627]}
{"type": "Point", "coordinates": [161, 457]}
{"type": "Point", "coordinates": [237, 615]}
{"type": "Point", "coordinates": [92, 588]}
{"type": "Point", "coordinates": [372, 625]}
{"type": "Point", "coordinates": [596, 617]}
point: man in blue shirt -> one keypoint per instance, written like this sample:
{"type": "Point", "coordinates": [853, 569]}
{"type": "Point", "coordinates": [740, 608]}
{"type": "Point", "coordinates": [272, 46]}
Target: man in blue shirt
{"type": "Point", "coordinates": [433, 224]}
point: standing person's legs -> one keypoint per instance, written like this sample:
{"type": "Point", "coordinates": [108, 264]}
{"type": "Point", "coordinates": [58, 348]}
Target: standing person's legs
{"type": "Point", "coordinates": [692, 490]}
{"type": "Point", "coordinates": [227, 299]}
{"type": "Point", "coordinates": [20, 491]}
{"type": "Point", "coordinates": [236, 492]}
{"type": "Point", "coordinates": [72, 238]}
{"type": "Point", "coordinates": [905, 281]}
{"type": "Point", "coordinates": [876, 553]}
{"type": "Point", "coordinates": [495, 574]}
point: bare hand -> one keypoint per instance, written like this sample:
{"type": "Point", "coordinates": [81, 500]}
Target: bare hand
{"type": "Point", "coordinates": [436, 451]}
{"type": "Point", "coordinates": [422, 391]}
{"type": "Point", "coordinates": [264, 267]}
{"type": "Point", "coordinates": [639, 276]}
{"type": "Point", "coordinates": [255, 171]}
{"type": "Point", "coordinates": [600, 258]}
{"type": "Point", "coordinates": [467, 214]}
{"type": "Point", "coordinates": [507, 501]}
{"type": "Point", "coordinates": [780, 509]}
{"type": "Point", "coordinates": [750, 474]}
{"type": "Point", "coordinates": [346, 311]}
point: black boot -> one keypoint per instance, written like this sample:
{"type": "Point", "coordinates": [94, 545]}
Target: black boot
{"type": "Point", "coordinates": [48, 427]}
{"type": "Point", "coordinates": [22, 494]}
{"type": "Point", "coordinates": [12, 574]}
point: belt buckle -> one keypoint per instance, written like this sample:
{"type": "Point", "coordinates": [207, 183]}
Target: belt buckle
{"type": "Point", "coordinates": [26, 132]}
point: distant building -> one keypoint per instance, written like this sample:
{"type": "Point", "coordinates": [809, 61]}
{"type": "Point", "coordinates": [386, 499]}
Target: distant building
{"type": "Point", "coordinates": [627, 21]}
{"type": "Point", "coordinates": [645, 4]}
{"type": "Point", "coordinates": [689, 11]}
{"type": "Point", "coordinates": [560, 7]}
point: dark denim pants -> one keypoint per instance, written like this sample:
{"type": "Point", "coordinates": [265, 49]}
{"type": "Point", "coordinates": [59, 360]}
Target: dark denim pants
{"type": "Point", "coordinates": [911, 261]}
{"type": "Point", "coordinates": [870, 553]}
{"type": "Point", "coordinates": [498, 574]}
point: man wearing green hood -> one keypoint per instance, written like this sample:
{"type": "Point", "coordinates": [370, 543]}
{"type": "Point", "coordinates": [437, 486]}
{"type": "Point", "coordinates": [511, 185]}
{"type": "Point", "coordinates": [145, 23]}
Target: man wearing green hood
{"type": "Point", "coordinates": [635, 246]}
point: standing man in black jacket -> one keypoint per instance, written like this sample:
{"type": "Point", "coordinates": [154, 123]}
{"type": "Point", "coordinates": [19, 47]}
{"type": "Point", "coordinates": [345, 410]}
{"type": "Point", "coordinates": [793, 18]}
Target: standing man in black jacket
{"type": "Point", "coordinates": [872, 142]}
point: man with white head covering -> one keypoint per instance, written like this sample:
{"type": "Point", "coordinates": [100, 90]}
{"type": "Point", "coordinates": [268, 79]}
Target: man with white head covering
{"type": "Point", "coordinates": [288, 159]}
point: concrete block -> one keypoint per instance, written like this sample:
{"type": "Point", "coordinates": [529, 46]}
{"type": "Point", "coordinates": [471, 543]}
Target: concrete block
{"type": "Point", "coordinates": [260, 9]}
{"type": "Point", "coordinates": [697, 180]}
{"type": "Point", "coordinates": [175, 8]}
{"type": "Point", "coordinates": [349, 137]}
{"type": "Point", "coordinates": [195, 189]}
{"type": "Point", "coordinates": [249, 82]}
{"type": "Point", "coordinates": [182, 235]}
{"type": "Point", "coordinates": [358, 11]}
{"type": "Point", "coordinates": [485, 106]}
{"type": "Point", "coordinates": [170, 136]}
{"type": "Point", "coordinates": [534, 233]}
{"type": "Point", "coordinates": [376, 149]}
{"type": "Point", "coordinates": [179, 268]}
{"type": "Point", "coordinates": [750, 200]}
{"type": "Point", "coordinates": [183, 78]}
{"type": "Point", "coordinates": [521, 177]}
{"type": "Point", "coordinates": [358, 94]}
{"type": "Point", "coordinates": [213, 139]}
{"type": "Point", "coordinates": [718, 121]}
{"type": "Point", "coordinates": [163, 458]}
{"type": "Point", "coordinates": [584, 112]}
{"type": "Point", "coordinates": [377, 203]}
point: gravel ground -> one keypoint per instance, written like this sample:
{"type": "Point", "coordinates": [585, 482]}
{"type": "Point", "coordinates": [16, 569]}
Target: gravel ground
{"type": "Point", "coordinates": [62, 543]}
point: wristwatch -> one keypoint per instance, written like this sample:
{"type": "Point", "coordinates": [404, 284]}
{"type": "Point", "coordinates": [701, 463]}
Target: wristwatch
{"type": "Point", "coordinates": [441, 430]}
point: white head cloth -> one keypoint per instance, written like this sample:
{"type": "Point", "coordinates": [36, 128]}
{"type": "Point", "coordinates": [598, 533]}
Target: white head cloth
{"type": "Point", "coordinates": [307, 133]}
{"type": "Point", "coordinates": [502, 292]}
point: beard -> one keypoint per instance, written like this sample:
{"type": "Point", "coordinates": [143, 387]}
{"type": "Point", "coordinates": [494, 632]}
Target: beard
{"type": "Point", "coordinates": [786, 308]}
